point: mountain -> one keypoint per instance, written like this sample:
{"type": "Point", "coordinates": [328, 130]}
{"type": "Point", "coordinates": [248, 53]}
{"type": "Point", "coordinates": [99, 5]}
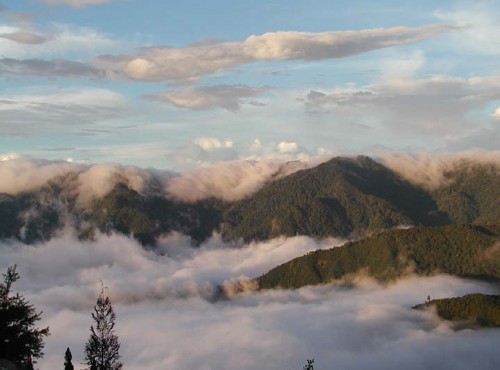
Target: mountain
{"type": "Point", "coordinates": [462, 250]}
{"type": "Point", "coordinates": [346, 197]}
{"type": "Point", "coordinates": [471, 310]}
{"type": "Point", "coordinates": [353, 196]}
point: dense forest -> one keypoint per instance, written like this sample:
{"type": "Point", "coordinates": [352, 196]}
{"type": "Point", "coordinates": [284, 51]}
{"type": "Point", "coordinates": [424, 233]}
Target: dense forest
{"type": "Point", "coordinates": [347, 197]}
{"type": "Point", "coordinates": [462, 250]}
{"type": "Point", "coordinates": [469, 311]}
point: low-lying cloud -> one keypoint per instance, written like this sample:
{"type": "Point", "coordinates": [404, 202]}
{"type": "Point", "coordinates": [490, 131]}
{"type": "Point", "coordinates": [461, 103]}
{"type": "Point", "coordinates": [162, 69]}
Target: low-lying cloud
{"type": "Point", "coordinates": [230, 178]}
{"type": "Point", "coordinates": [430, 170]}
{"type": "Point", "coordinates": [167, 317]}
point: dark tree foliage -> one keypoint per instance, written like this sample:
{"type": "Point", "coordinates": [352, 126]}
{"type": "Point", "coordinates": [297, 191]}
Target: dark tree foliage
{"type": "Point", "coordinates": [67, 360]}
{"type": "Point", "coordinates": [20, 340]}
{"type": "Point", "coordinates": [102, 348]}
{"type": "Point", "coordinates": [469, 310]}
{"type": "Point", "coordinates": [462, 250]}
{"type": "Point", "coordinates": [309, 365]}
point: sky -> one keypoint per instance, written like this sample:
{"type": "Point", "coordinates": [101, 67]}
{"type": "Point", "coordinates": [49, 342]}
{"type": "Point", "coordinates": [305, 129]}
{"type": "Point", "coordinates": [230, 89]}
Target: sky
{"type": "Point", "coordinates": [175, 85]}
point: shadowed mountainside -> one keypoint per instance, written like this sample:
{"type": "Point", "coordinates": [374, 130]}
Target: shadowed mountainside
{"type": "Point", "coordinates": [347, 197]}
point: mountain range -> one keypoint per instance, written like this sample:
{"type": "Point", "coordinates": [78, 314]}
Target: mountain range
{"type": "Point", "coordinates": [343, 197]}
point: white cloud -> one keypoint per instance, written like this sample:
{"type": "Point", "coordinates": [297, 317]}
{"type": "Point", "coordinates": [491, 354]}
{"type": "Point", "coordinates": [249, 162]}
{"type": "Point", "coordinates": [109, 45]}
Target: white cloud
{"type": "Point", "coordinates": [430, 170]}
{"type": "Point", "coordinates": [229, 97]}
{"type": "Point", "coordinates": [437, 105]}
{"type": "Point", "coordinates": [192, 62]}
{"type": "Point", "coordinates": [481, 33]}
{"type": "Point", "coordinates": [161, 300]}
{"type": "Point", "coordinates": [496, 114]}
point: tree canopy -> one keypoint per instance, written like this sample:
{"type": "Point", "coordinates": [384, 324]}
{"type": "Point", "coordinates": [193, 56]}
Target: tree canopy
{"type": "Point", "coordinates": [20, 340]}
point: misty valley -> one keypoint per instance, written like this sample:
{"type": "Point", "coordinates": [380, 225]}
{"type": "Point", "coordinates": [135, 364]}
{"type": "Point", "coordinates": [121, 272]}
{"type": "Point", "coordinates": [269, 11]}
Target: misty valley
{"type": "Point", "coordinates": [355, 262]}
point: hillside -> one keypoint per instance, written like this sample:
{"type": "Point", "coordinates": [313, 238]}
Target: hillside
{"type": "Point", "coordinates": [462, 250]}
{"type": "Point", "coordinates": [353, 196]}
{"type": "Point", "coordinates": [471, 310]}
{"type": "Point", "coordinates": [346, 197]}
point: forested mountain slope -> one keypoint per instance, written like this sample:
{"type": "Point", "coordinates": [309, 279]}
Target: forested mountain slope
{"type": "Point", "coordinates": [462, 250]}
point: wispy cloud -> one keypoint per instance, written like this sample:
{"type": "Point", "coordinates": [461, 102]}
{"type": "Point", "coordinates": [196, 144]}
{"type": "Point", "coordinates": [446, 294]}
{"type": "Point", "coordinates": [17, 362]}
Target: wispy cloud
{"type": "Point", "coordinates": [25, 37]}
{"type": "Point", "coordinates": [74, 3]}
{"type": "Point", "coordinates": [192, 62]}
{"type": "Point", "coordinates": [31, 114]}
{"type": "Point", "coordinates": [436, 105]}
{"type": "Point", "coordinates": [48, 68]}
{"type": "Point", "coordinates": [229, 97]}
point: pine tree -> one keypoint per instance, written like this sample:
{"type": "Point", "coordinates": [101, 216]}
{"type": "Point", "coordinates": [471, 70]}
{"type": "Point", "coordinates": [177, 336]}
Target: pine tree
{"type": "Point", "coordinates": [20, 340]}
{"type": "Point", "coordinates": [67, 360]}
{"type": "Point", "coordinates": [102, 348]}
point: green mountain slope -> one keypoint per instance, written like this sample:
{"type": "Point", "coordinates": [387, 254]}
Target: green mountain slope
{"type": "Point", "coordinates": [463, 250]}
{"type": "Point", "coordinates": [346, 197]}
{"type": "Point", "coordinates": [340, 197]}
{"type": "Point", "coordinates": [470, 310]}
{"type": "Point", "coordinates": [472, 195]}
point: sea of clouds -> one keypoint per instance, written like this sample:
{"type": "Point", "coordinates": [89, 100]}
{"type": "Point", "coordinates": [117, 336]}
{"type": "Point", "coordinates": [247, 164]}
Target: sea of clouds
{"type": "Point", "coordinates": [171, 313]}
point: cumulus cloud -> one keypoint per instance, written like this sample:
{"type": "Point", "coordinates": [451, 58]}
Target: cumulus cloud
{"type": "Point", "coordinates": [430, 170]}
{"type": "Point", "coordinates": [437, 105]}
{"type": "Point", "coordinates": [162, 299]}
{"type": "Point", "coordinates": [192, 62]}
{"type": "Point", "coordinates": [229, 97]}
{"type": "Point", "coordinates": [25, 37]}
{"type": "Point", "coordinates": [66, 108]}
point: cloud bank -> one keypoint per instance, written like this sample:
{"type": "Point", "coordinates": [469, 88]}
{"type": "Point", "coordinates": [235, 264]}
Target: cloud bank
{"type": "Point", "coordinates": [430, 170]}
{"type": "Point", "coordinates": [229, 178]}
{"type": "Point", "coordinates": [167, 317]}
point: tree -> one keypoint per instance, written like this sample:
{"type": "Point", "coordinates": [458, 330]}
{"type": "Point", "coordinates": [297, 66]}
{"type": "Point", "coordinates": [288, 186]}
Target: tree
{"type": "Point", "coordinates": [67, 360]}
{"type": "Point", "coordinates": [20, 340]}
{"type": "Point", "coordinates": [309, 365]}
{"type": "Point", "coordinates": [102, 348]}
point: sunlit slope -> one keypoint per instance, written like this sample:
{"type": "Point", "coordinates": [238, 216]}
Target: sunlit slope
{"type": "Point", "coordinates": [462, 250]}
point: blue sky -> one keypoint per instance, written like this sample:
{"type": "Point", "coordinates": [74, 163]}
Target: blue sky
{"type": "Point", "coordinates": [178, 84]}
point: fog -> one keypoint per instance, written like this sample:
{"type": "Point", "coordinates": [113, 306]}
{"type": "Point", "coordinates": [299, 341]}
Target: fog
{"type": "Point", "coordinates": [430, 170]}
{"type": "Point", "coordinates": [170, 314]}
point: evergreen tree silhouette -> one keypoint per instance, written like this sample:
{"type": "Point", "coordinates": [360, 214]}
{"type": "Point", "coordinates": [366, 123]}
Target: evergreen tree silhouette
{"type": "Point", "coordinates": [20, 340]}
{"type": "Point", "coordinates": [67, 360]}
{"type": "Point", "coordinates": [102, 348]}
